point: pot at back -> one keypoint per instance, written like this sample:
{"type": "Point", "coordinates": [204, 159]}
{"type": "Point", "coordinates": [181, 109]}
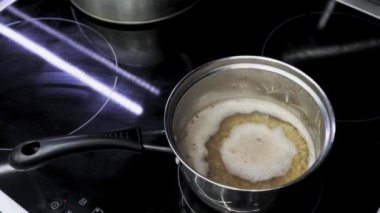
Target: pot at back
{"type": "Point", "coordinates": [133, 11]}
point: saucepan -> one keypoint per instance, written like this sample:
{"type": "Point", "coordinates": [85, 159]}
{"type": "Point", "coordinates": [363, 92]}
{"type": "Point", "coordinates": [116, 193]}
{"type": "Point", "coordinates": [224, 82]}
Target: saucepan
{"type": "Point", "coordinates": [133, 12]}
{"type": "Point", "coordinates": [239, 77]}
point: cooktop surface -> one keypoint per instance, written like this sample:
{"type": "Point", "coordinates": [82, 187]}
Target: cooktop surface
{"type": "Point", "coordinates": [64, 73]}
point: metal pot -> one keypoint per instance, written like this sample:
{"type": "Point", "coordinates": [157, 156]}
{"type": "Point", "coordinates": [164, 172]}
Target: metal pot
{"type": "Point", "coordinates": [133, 11]}
{"type": "Point", "coordinates": [234, 77]}
{"type": "Point", "coordinates": [248, 77]}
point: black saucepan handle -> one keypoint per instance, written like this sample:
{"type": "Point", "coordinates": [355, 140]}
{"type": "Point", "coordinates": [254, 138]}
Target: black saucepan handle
{"type": "Point", "coordinates": [34, 153]}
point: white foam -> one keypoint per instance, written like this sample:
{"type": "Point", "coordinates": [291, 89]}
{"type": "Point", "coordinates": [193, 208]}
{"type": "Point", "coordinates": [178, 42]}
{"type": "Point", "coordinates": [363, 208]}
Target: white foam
{"type": "Point", "coordinates": [192, 141]}
{"type": "Point", "coordinates": [255, 152]}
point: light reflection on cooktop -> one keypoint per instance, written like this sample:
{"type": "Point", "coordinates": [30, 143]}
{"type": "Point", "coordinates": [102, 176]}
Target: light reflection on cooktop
{"type": "Point", "coordinates": [337, 57]}
{"type": "Point", "coordinates": [37, 97]}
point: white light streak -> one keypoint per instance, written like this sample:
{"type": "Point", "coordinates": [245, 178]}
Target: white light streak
{"type": "Point", "coordinates": [65, 66]}
{"type": "Point", "coordinates": [9, 205]}
{"type": "Point", "coordinates": [135, 79]}
{"type": "Point", "coordinates": [5, 3]}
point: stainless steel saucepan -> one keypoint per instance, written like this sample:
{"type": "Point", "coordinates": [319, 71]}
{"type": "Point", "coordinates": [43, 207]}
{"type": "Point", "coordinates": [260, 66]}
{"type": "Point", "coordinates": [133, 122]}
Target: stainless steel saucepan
{"type": "Point", "coordinates": [233, 77]}
{"type": "Point", "coordinates": [133, 11]}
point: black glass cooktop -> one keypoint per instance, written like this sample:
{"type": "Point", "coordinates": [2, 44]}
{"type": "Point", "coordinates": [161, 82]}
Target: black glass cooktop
{"type": "Point", "coordinates": [71, 74]}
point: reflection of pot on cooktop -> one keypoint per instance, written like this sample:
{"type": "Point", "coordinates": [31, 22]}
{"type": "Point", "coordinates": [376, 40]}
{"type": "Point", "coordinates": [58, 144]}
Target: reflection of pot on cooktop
{"type": "Point", "coordinates": [292, 201]}
{"type": "Point", "coordinates": [143, 46]}
{"type": "Point", "coordinates": [339, 57]}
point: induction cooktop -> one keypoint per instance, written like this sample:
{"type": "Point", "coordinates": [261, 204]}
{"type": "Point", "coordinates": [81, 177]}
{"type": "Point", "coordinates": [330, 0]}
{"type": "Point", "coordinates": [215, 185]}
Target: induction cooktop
{"type": "Point", "coordinates": [41, 96]}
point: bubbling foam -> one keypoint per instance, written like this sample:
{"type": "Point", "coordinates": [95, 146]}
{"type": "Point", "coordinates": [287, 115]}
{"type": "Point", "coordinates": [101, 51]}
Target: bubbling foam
{"type": "Point", "coordinates": [192, 140]}
{"type": "Point", "coordinates": [255, 152]}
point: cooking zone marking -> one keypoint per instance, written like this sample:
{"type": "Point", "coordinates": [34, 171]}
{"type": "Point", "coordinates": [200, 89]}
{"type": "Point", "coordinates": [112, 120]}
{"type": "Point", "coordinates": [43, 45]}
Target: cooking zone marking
{"type": "Point", "coordinates": [135, 79]}
{"type": "Point", "coordinates": [65, 66]}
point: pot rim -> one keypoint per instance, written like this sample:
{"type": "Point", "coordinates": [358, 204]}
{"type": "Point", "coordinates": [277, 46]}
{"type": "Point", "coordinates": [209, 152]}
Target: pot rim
{"type": "Point", "coordinates": [136, 22]}
{"type": "Point", "coordinates": [317, 93]}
